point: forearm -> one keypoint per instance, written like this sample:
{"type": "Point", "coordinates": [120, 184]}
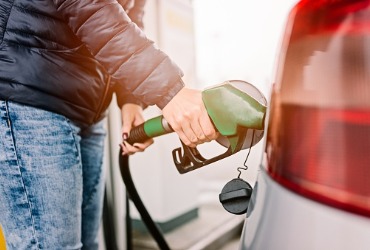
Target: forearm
{"type": "Point", "coordinates": [123, 49]}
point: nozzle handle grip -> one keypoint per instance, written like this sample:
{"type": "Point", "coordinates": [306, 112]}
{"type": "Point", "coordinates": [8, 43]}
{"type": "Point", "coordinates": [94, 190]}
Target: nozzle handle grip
{"type": "Point", "coordinates": [137, 134]}
{"type": "Point", "coordinates": [154, 127]}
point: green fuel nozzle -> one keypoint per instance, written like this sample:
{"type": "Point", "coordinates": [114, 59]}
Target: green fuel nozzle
{"type": "Point", "coordinates": [151, 128]}
{"type": "Point", "coordinates": [236, 108]}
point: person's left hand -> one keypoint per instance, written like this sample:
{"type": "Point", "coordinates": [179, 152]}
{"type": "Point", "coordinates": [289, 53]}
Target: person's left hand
{"type": "Point", "coordinates": [132, 115]}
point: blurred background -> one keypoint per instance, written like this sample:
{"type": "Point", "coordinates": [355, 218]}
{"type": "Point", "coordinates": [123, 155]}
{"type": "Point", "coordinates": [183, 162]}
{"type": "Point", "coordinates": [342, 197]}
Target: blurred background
{"type": "Point", "coordinates": [212, 41]}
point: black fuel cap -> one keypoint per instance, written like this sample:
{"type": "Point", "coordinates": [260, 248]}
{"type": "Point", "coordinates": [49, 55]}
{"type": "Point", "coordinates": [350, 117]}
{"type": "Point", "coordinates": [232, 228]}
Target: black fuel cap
{"type": "Point", "coordinates": [235, 196]}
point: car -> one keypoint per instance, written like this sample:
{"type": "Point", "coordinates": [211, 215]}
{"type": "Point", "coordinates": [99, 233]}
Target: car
{"type": "Point", "coordinates": [313, 186]}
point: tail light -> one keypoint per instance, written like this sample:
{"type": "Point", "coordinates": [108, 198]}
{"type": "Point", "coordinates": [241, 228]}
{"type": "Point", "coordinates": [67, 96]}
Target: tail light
{"type": "Point", "coordinates": [318, 141]}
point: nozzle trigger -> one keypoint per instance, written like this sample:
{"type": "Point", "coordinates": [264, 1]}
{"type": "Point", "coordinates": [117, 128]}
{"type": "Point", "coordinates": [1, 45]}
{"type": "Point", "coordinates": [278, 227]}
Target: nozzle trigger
{"type": "Point", "coordinates": [190, 158]}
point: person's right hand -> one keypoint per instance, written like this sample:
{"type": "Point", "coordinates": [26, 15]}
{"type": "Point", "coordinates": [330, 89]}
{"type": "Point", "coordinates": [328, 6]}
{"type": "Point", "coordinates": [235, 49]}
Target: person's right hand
{"type": "Point", "coordinates": [188, 117]}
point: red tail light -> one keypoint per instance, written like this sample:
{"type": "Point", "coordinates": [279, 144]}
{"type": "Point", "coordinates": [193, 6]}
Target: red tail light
{"type": "Point", "coordinates": [318, 141]}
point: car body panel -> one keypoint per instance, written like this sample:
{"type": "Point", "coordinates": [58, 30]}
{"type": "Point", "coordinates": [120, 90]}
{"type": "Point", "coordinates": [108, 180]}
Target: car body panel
{"type": "Point", "coordinates": [280, 219]}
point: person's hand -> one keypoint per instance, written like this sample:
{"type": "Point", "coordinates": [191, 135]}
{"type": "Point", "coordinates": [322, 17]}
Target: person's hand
{"type": "Point", "coordinates": [188, 117]}
{"type": "Point", "coordinates": [132, 115]}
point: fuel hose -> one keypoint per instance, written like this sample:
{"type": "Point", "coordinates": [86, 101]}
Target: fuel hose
{"type": "Point", "coordinates": [135, 198]}
{"type": "Point", "coordinates": [154, 127]}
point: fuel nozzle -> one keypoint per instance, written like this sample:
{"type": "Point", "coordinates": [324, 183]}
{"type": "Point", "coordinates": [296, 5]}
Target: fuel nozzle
{"type": "Point", "coordinates": [236, 108]}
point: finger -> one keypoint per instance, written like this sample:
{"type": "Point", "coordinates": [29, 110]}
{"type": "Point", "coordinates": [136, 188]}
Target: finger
{"type": "Point", "coordinates": [126, 126]}
{"type": "Point", "coordinates": [189, 135]}
{"type": "Point", "coordinates": [124, 149]}
{"type": "Point", "coordinates": [208, 128]}
{"type": "Point", "coordinates": [144, 145]}
{"type": "Point", "coordinates": [179, 131]}
{"type": "Point", "coordinates": [129, 149]}
{"type": "Point", "coordinates": [198, 131]}
{"type": "Point", "coordinates": [138, 147]}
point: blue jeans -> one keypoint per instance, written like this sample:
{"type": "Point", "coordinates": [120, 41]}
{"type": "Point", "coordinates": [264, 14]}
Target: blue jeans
{"type": "Point", "coordinates": [51, 179]}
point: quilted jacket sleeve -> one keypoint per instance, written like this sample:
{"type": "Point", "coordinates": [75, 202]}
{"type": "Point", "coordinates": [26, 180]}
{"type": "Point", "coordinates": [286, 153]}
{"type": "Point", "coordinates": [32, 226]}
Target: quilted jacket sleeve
{"type": "Point", "coordinates": [135, 10]}
{"type": "Point", "coordinates": [127, 54]}
{"type": "Point", "coordinates": [136, 14]}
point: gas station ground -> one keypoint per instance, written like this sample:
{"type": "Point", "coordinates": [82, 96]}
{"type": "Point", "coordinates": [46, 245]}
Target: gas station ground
{"type": "Point", "coordinates": [213, 229]}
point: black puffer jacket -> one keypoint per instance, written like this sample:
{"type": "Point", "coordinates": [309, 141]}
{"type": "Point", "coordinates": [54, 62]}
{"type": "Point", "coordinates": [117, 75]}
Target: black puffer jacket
{"type": "Point", "coordinates": [69, 56]}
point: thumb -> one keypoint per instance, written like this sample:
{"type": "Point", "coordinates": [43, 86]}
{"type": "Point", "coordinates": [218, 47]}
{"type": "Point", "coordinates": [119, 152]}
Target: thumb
{"type": "Point", "coordinates": [127, 120]}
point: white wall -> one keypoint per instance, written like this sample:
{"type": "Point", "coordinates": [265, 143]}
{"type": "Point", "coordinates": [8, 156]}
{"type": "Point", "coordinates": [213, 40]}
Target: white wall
{"type": "Point", "coordinates": [236, 39]}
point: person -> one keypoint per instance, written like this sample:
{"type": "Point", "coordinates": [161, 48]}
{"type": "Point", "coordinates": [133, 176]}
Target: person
{"type": "Point", "coordinates": [60, 63]}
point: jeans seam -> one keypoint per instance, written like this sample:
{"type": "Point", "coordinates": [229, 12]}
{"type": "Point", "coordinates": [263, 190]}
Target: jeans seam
{"type": "Point", "coordinates": [73, 133]}
{"type": "Point", "coordinates": [90, 197]}
{"type": "Point", "coordinates": [97, 180]}
{"type": "Point", "coordinates": [20, 173]}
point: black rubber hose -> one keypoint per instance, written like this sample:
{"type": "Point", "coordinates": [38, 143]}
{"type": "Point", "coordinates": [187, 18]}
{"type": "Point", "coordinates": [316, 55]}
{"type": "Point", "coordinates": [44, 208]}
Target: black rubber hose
{"type": "Point", "coordinates": [108, 225]}
{"type": "Point", "coordinates": [134, 196]}
{"type": "Point", "coordinates": [129, 245]}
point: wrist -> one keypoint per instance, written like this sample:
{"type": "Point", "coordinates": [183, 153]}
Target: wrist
{"type": "Point", "coordinates": [171, 93]}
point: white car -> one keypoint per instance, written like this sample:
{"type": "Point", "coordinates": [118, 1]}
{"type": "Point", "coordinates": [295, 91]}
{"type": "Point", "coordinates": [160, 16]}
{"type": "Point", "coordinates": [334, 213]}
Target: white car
{"type": "Point", "coordinates": [313, 188]}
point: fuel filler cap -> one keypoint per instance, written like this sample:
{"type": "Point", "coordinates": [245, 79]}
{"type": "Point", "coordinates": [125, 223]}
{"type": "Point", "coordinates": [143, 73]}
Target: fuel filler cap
{"type": "Point", "coordinates": [235, 196]}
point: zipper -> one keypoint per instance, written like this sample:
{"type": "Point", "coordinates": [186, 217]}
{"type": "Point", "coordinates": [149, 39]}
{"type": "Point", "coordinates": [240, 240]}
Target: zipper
{"type": "Point", "coordinates": [106, 89]}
